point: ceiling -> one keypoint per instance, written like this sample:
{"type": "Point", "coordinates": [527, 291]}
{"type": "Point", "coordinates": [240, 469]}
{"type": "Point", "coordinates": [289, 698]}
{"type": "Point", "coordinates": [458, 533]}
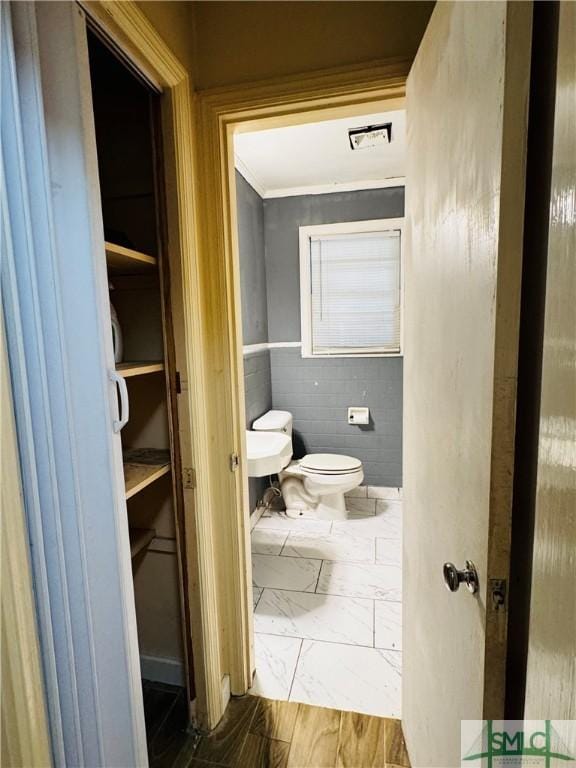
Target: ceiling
{"type": "Point", "coordinates": [316, 157]}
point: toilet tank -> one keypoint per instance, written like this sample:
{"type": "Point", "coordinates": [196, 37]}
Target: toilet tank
{"type": "Point", "coordinates": [274, 421]}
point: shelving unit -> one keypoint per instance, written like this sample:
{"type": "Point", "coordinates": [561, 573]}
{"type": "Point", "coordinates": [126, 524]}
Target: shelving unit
{"type": "Point", "coordinates": [140, 539]}
{"type": "Point", "coordinates": [126, 261]}
{"type": "Point", "coordinates": [142, 466]}
{"type": "Point", "coordinates": [139, 368]}
{"type": "Point", "coordinates": [128, 140]}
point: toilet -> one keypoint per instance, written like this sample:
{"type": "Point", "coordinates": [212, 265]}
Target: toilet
{"type": "Point", "coordinates": [315, 485]}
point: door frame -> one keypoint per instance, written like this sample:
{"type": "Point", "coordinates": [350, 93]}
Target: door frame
{"type": "Point", "coordinates": [127, 28]}
{"type": "Point", "coordinates": [221, 112]}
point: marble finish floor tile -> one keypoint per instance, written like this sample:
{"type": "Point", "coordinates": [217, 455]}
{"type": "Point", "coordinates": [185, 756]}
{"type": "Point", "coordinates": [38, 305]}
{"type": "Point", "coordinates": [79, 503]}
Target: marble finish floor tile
{"type": "Point", "coordinates": [389, 551]}
{"type": "Point", "coordinates": [283, 523]}
{"type": "Point", "coordinates": [388, 625]}
{"type": "Point", "coordinates": [351, 678]}
{"type": "Point", "coordinates": [316, 617]}
{"type": "Point", "coordinates": [364, 505]}
{"type": "Point", "coordinates": [391, 514]}
{"type": "Point", "coordinates": [276, 659]}
{"type": "Point", "coordinates": [379, 582]}
{"type": "Point", "coordinates": [385, 525]}
{"type": "Point", "coordinates": [267, 542]}
{"type": "Point", "coordinates": [256, 594]}
{"type": "Point", "coordinates": [361, 492]}
{"type": "Point", "coordinates": [332, 546]}
{"type": "Point", "coordinates": [278, 572]}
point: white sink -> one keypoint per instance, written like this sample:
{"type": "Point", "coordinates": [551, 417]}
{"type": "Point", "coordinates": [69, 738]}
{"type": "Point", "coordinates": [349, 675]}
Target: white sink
{"type": "Point", "coordinates": [268, 452]}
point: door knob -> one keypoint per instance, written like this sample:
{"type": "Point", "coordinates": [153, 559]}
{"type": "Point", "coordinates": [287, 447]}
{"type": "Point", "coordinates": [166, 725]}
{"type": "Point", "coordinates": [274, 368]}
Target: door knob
{"type": "Point", "coordinates": [468, 575]}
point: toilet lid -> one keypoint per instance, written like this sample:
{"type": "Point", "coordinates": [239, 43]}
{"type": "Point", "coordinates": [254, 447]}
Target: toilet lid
{"type": "Point", "coordinates": [330, 463]}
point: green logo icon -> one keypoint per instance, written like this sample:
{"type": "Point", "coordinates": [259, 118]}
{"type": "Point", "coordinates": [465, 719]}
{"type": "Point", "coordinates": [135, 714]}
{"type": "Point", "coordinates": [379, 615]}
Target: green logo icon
{"type": "Point", "coordinates": [516, 743]}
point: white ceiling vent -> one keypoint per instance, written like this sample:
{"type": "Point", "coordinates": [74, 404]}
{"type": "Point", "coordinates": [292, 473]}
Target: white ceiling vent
{"type": "Point", "coordinates": [370, 136]}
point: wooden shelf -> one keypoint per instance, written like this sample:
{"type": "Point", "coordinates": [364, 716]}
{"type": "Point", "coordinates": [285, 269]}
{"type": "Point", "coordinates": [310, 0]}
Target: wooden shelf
{"type": "Point", "coordinates": [140, 538]}
{"type": "Point", "coordinates": [139, 368]}
{"type": "Point", "coordinates": [143, 466]}
{"type": "Point", "coordinates": [125, 261]}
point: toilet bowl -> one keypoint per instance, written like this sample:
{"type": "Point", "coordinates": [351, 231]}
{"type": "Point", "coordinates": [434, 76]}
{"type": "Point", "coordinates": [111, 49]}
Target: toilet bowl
{"type": "Point", "coordinates": [315, 485]}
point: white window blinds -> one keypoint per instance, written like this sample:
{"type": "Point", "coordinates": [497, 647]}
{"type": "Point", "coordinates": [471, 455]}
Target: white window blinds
{"type": "Point", "coordinates": [355, 293]}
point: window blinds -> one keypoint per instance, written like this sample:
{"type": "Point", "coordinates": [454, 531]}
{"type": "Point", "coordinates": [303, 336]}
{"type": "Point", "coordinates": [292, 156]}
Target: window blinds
{"type": "Point", "coordinates": [355, 287]}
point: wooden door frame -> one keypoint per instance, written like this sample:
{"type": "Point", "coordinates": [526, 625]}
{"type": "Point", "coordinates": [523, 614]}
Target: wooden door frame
{"type": "Point", "coordinates": [126, 27]}
{"type": "Point", "coordinates": [24, 735]}
{"type": "Point", "coordinates": [221, 112]}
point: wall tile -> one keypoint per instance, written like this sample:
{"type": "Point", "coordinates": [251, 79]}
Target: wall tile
{"type": "Point", "coordinates": [318, 394]}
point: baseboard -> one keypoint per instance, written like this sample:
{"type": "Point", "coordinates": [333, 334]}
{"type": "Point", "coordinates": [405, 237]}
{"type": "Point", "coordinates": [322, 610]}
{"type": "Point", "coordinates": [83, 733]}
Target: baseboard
{"type": "Point", "coordinates": [225, 692]}
{"type": "Point", "coordinates": [375, 492]}
{"type": "Point", "coordinates": [160, 669]}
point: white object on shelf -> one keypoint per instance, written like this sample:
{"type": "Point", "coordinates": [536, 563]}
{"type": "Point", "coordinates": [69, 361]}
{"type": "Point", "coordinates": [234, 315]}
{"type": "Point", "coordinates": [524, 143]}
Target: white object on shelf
{"type": "Point", "coordinates": [358, 415]}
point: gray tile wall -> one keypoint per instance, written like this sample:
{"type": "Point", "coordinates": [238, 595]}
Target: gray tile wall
{"type": "Point", "coordinates": [283, 216]}
{"type": "Point", "coordinates": [252, 262]}
{"type": "Point", "coordinates": [258, 384]}
{"type": "Point", "coordinates": [318, 393]}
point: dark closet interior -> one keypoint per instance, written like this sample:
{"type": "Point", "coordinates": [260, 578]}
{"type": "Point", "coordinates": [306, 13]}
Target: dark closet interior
{"type": "Point", "coordinates": [126, 115]}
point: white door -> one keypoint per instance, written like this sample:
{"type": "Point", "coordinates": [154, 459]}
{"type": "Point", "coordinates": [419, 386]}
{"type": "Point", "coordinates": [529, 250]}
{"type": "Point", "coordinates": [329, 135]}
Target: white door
{"type": "Point", "coordinates": [466, 115]}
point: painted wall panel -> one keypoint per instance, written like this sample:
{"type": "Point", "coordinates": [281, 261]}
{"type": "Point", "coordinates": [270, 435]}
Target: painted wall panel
{"type": "Point", "coordinates": [240, 42]}
{"type": "Point", "coordinates": [173, 21]}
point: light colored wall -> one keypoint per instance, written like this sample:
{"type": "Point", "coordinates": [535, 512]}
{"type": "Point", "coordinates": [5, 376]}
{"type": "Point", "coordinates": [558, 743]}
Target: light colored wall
{"type": "Point", "coordinates": [238, 42]}
{"type": "Point", "coordinates": [173, 21]}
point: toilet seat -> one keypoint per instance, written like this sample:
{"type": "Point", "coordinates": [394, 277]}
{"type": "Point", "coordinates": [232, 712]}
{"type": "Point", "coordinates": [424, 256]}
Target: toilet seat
{"type": "Point", "coordinates": [329, 464]}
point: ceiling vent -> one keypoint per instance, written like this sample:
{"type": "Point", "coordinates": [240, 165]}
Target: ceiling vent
{"type": "Point", "coordinates": [370, 136]}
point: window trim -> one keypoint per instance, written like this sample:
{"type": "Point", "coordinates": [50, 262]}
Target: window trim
{"type": "Point", "coordinates": [342, 228]}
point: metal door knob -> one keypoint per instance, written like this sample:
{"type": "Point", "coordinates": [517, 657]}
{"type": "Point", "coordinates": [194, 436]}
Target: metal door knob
{"type": "Point", "coordinates": [468, 575]}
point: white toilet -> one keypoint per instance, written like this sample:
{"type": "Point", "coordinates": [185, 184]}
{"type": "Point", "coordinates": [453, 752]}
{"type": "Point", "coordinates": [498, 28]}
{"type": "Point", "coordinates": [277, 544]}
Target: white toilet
{"type": "Point", "coordinates": [315, 485]}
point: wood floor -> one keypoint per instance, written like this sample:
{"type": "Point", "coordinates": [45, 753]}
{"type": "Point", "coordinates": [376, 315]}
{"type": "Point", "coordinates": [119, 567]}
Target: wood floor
{"type": "Point", "coordinates": [260, 733]}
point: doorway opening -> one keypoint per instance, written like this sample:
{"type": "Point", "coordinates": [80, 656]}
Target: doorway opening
{"type": "Point", "coordinates": [127, 130]}
{"type": "Point", "coordinates": [319, 212]}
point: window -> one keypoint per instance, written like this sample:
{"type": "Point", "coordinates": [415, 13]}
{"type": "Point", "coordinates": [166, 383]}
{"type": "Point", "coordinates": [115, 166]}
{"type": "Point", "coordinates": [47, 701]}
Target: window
{"type": "Point", "coordinates": [350, 288]}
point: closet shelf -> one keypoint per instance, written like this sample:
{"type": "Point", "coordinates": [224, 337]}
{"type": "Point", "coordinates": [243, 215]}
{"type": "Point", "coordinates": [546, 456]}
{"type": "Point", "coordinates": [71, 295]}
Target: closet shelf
{"type": "Point", "coordinates": [139, 368]}
{"type": "Point", "coordinates": [140, 538]}
{"type": "Point", "coordinates": [143, 466]}
{"type": "Point", "coordinates": [125, 261]}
